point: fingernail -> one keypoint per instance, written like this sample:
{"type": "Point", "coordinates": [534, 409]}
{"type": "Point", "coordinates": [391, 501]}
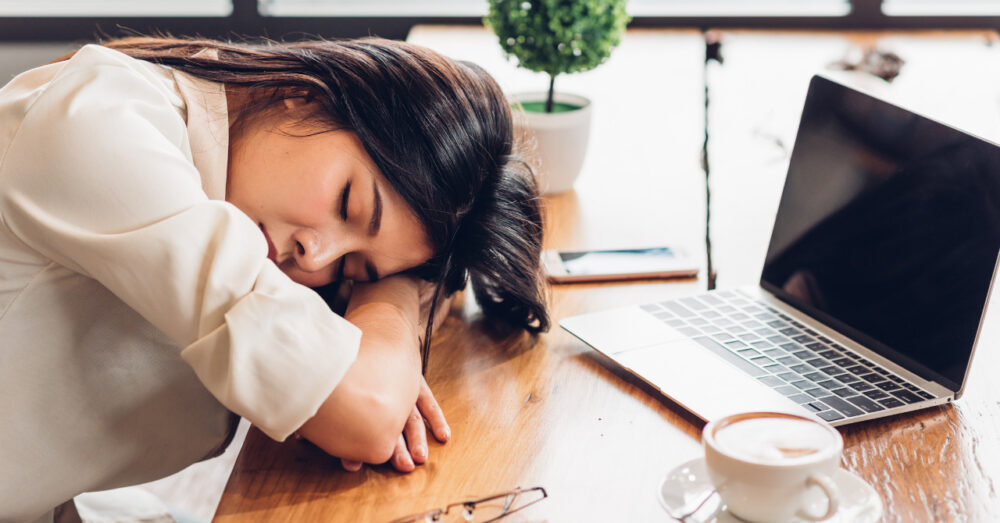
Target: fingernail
{"type": "Point", "coordinates": [420, 452]}
{"type": "Point", "coordinates": [447, 432]}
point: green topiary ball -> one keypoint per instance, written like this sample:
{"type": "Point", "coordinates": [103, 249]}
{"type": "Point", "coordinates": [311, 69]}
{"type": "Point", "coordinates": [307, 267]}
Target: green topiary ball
{"type": "Point", "coordinates": [558, 36]}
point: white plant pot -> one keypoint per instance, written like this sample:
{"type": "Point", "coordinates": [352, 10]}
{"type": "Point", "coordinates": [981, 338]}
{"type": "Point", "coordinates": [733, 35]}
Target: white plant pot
{"type": "Point", "coordinates": [560, 139]}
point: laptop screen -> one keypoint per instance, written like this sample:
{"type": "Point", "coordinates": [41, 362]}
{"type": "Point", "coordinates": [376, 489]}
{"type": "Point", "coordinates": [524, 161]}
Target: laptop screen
{"type": "Point", "coordinates": [888, 230]}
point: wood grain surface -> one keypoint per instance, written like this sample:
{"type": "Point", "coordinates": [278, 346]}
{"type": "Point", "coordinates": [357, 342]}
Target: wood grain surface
{"type": "Point", "coordinates": [548, 411]}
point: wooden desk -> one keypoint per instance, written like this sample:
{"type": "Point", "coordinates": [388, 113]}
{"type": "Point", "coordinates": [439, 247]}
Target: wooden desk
{"type": "Point", "coordinates": [547, 411]}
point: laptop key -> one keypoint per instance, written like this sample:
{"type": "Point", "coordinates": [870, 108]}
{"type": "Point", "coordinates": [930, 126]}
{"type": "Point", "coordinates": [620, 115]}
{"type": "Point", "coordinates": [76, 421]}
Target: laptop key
{"type": "Point", "coordinates": [876, 394]}
{"type": "Point", "coordinates": [866, 404]}
{"type": "Point", "coordinates": [770, 381]}
{"type": "Point", "coordinates": [787, 360]}
{"type": "Point", "coordinates": [802, 338]}
{"type": "Point", "coordinates": [904, 395]}
{"type": "Point", "coordinates": [748, 353]}
{"type": "Point", "coordinates": [803, 384]}
{"type": "Point", "coordinates": [846, 378]}
{"type": "Point", "coordinates": [830, 415]}
{"type": "Point", "coordinates": [803, 354]}
{"type": "Point", "coordinates": [844, 407]}
{"type": "Point", "coordinates": [789, 390]}
{"type": "Point", "coordinates": [817, 392]}
{"type": "Point", "coordinates": [813, 407]}
{"type": "Point", "coordinates": [739, 362]}
{"type": "Point", "coordinates": [816, 362]}
{"type": "Point", "coordinates": [801, 398]}
{"type": "Point", "coordinates": [830, 369]}
{"type": "Point", "coordinates": [801, 368]}
{"type": "Point", "coordinates": [872, 378]}
{"type": "Point", "coordinates": [891, 403]}
{"type": "Point", "coordinates": [693, 303]}
{"type": "Point", "coordinates": [857, 370]}
{"type": "Point", "coordinates": [844, 362]}
{"type": "Point", "coordinates": [860, 386]}
{"type": "Point", "coordinates": [678, 308]}
{"type": "Point", "coordinates": [843, 392]}
{"type": "Point", "coordinates": [888, 386]}
{"type": "Point", "coordinates": [789, 376]}
{"type": "Point", "coordinates": [814, 376]}
{"type": "Point", "coordinates": [828, 384]}
{"type": "Point", "coordinates": [775, 353]}
{"type": "Point", "coordinates": [830, 354]}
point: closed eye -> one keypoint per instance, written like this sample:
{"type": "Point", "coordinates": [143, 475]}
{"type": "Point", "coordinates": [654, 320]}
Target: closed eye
{"type": "Point", "coordinates": [344, 197]}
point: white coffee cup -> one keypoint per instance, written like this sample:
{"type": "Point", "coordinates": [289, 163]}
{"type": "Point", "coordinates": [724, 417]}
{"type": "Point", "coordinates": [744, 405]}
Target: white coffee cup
{"type": "Point", "coordinates": [772, 466]}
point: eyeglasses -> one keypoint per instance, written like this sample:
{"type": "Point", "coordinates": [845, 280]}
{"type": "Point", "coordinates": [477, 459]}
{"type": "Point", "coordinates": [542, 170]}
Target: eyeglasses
{"type": "Point", "coordinates": [482, 510]}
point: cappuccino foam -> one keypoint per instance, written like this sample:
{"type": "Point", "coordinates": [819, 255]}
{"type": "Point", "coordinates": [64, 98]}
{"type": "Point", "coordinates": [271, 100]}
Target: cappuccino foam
{"type": "Point", "coordinates": [773, 439]}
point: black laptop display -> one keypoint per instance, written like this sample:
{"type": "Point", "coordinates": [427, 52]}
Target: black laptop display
{"type": "Point", "coordinates": [897, 248]}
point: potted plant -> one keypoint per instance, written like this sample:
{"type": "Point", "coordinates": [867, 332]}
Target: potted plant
{"type": "Point", "coordinates": [556, 37]}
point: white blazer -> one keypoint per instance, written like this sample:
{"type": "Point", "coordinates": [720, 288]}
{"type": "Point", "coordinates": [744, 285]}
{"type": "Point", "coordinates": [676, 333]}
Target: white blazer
{"type": "Point", "coordinates": [136, 305]}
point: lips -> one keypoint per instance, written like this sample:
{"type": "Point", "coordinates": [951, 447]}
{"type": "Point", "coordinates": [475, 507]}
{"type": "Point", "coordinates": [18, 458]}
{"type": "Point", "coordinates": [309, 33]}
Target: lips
{"type": "Point", "coordinates": [272, 253]}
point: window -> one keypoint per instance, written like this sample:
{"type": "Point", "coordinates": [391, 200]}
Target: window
{"type": "Point", "coordinates": [104, 8]}
{"type": "Point", "coordinates": [941, 7]}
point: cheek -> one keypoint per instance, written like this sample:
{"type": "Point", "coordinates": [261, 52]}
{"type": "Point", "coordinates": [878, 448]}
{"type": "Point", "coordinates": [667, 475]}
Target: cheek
{"type": "Point", "coordinates": [303, 200]}
{"type": "Point", "coordinates": [309, 279]}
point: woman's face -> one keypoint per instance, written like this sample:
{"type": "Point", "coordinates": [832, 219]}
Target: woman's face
{"type": "Point", "coordinates": [323, 206]}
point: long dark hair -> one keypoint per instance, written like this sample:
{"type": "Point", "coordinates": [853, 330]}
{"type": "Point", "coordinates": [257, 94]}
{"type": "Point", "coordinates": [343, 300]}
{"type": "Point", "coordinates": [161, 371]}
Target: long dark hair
{"type": "Point", "coordinates": [439, 130]}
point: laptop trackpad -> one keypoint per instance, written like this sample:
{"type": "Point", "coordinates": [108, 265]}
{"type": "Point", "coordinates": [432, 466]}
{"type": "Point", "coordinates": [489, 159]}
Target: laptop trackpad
{"type": "Point", "coordinates": [701, 381]}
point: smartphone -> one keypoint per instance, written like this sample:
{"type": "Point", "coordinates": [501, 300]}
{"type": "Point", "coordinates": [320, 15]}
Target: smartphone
{"type": "Point", "coordinates": [617, 265]}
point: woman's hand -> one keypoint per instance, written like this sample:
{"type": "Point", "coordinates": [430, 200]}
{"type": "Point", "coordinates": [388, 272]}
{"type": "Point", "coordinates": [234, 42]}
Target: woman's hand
{"type": "Point", "coordinates": [411, 448]}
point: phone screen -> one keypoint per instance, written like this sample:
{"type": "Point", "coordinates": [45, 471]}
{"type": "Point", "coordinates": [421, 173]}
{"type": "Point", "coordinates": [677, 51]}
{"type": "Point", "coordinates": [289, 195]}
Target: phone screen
{"type": "Point", "coordinates": [624, 261]}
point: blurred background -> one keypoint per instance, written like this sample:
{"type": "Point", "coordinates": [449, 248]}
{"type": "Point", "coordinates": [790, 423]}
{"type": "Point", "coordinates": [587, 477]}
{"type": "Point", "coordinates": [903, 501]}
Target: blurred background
{"type": "Point", "coordinates": [35, 31]}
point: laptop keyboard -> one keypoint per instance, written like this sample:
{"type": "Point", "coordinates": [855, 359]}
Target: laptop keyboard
{"type": "Point", "coordinates": [786, 355]}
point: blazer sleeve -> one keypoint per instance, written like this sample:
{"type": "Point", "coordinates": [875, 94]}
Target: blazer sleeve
{"type": "Point", "coordinates": [98, 179]}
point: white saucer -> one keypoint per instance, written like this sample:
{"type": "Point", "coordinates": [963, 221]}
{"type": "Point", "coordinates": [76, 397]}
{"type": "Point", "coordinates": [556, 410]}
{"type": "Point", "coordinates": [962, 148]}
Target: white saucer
{"type": "Point", "coordinates": [688, 483]}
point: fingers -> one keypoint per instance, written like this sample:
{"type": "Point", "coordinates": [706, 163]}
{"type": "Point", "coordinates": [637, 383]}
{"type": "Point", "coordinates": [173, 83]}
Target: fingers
{"type": "Point", "coordinates": [350, 465]}
{"type": "Point", "coordinates": [416, 436]}
{"type": "Point", "coordinates": [430, 409]}
{"type": "Point", "coordinates": [401, 457]}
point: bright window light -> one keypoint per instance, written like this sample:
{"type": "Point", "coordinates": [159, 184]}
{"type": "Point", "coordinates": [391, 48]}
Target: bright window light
{"type": "Point", "coordinates": [112, 8]}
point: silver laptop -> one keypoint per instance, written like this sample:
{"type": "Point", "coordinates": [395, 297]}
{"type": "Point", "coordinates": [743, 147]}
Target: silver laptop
{"type": "Point", "coordinates": [874, 285]}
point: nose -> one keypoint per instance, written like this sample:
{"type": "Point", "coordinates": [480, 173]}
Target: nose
{"type": "Point", "coordinates": [311, 252]}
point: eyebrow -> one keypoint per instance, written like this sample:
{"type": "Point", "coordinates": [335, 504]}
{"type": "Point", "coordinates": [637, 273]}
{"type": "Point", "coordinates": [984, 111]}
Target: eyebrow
{"type": "Point", "coordinates": [376, 222]}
